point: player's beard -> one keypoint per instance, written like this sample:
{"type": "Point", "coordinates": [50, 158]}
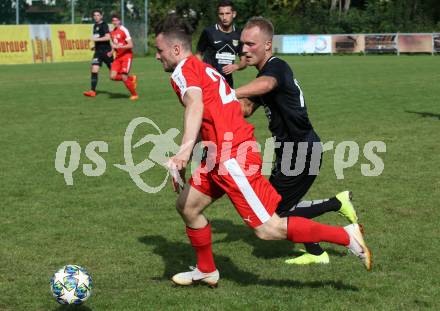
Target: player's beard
{"type": "Point", "coordinates": [167, 67]}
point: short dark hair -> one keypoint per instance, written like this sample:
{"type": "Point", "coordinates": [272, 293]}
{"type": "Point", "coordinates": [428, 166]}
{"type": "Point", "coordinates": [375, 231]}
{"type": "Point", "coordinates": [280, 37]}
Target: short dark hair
{"type": "Point", "coordinates": [175, 27]}
{"type": "Point", "coordinates": [264, 24]}
{"type": "Point", "coordinates": [224, 3]}
{"type": "Point", "coordinates": [115, 15]}
{"type": "Point", "coordinates": [97, 11]}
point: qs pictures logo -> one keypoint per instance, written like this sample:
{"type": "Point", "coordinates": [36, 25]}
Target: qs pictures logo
{"type": "Point", "coordinates": [164, 146]}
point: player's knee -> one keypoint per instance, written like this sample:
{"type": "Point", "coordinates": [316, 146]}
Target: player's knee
{"type": "Point", "coordinates": [180, 207]}
{"type": "Point", "coordinates": [263, 235]}
{"type": "Point", "coordinates": [188, 211]}
{"type": "Point", "coordinates": [269, 231]}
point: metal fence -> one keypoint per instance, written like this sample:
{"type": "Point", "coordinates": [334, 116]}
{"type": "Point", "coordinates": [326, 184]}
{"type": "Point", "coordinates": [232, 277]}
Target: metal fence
{"type": "Point", "coordinates": [69, 12]}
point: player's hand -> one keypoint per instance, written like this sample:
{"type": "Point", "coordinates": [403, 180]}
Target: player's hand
{"type": "Point", "coordinates": [228, 69]}
{"type": "Point", "coordinates": [110, 54]}
{"type": "Point", "coordinates": [179, 181]}
{"type": "Point", "coordinates": [176, 165]}
{"type": "Point", "coordinates": [178, 162]}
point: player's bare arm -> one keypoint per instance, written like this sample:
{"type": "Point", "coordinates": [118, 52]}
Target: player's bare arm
{"type": "Point", "coordinates": [129, 45]}
{"type": "Point", "coordinates": [257, 87]}
{"type": "Point", "coordinates": [193, 103]}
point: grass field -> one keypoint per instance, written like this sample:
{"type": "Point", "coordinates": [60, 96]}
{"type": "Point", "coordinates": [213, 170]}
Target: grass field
{"type": "Point", "coordinates": [132, 242]}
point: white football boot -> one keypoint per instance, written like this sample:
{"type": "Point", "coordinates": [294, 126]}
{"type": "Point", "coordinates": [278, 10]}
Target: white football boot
{"type": "Point", "coordinates": [195, 275]}
{"type": "Point", "coordinates": [358, 246]}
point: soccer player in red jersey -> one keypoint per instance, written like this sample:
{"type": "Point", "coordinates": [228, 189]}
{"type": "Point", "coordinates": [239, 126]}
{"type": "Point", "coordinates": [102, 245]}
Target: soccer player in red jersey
{"type": "Point", "coordinates": [233, 163]}
{"type": "Point", "coordinates": [123, 45]}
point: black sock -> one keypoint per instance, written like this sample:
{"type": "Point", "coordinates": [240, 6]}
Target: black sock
{"type": "Point", "coordinates": [313, 248]}
{"type": "Point", "coordinates": [94, 80]}
{"type": "Point", "coordinates": [312, 209]}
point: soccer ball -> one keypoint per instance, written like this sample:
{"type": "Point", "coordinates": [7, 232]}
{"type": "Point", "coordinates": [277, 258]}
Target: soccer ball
{"type": "Point", "coordinates": [71, 285]}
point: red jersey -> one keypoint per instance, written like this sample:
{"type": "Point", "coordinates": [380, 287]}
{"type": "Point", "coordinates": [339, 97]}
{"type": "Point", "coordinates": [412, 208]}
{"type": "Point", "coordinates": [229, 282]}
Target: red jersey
{"type": "Point", "coordinates": [120, 35]}
{"type": "Point", "coordinates": [223, 123]}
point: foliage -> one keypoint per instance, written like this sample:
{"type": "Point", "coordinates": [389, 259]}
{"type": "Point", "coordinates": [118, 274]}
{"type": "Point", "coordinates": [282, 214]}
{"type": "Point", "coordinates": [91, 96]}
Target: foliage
{"type": "Point", "coordinates": [288, 16]}
{"type": "Point", "coordinates": [8, 11]}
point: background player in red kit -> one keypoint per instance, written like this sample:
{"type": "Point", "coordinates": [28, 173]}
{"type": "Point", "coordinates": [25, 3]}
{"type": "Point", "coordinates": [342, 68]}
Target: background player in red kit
{"type": "Point", "coordinates": [123, 45]}
{"type": "Point", "coordinates": [213, 111]}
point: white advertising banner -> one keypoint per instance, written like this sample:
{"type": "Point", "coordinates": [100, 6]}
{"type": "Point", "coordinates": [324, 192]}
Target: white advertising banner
{"type": "Point", "coordinates": [306, 44]}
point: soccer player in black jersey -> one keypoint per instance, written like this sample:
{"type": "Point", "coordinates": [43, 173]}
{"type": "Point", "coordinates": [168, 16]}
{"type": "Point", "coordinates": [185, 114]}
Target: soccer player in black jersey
{"type": "Point", "coordinates": [298, 148]}
{"type": "Point", "coordinates": [219, 45]}
{"type": "Point", "coordinates": [102, 48]}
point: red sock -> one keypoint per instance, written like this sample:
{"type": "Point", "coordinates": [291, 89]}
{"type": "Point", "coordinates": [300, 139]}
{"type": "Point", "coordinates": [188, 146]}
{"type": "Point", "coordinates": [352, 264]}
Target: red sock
{"type": "Point", "coordinates": [118, 77]}
{"type": "Point", "coordinates": [303, 230]}
{"type": "Point", "coordinates": [202, 244]}
{"type": "Point", "coordinates": [130, 86]}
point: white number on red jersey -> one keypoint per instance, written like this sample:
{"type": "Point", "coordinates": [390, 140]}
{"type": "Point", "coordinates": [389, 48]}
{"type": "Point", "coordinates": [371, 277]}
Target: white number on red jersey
{"type": "Point", "coordinates": [226, 98]}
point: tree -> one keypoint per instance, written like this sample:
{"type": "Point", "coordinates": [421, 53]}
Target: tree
{"type": "Point", "coordinates": [85, 7]}
{"type": "Point", "coordinates": [338, 3]}
{"type": "Point", "coordinates": [8, 11]}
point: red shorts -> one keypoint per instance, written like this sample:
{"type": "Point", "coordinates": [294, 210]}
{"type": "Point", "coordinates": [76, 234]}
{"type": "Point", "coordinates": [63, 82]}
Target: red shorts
{"type": "Point", "coordinates": [122, 64]}
{"type": "Point", "coordinates": [251, 193]}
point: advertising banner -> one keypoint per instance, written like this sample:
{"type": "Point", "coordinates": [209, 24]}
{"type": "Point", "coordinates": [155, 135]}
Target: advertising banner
{"type": "Point", "coordinates": [306, 44]}
{"type": "Point", "coordinates": [71, 42]}
{"type": "Point", "coordinates": [415, 43]}
{"type": "Point", "coordinates": [436, 43]}
{"type": "Point", "coordinates": [41, 43]}
{"type": "Point", "coordinates": [15, 45]}
{"type": "Point", "coordinates": [348, 43]}
{"type": "Point", "coordinates": [381, 43]}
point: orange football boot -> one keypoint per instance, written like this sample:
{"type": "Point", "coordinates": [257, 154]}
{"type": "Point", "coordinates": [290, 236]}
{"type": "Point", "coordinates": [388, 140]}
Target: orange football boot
{"type": "Point", "coordinates": [90, 93]}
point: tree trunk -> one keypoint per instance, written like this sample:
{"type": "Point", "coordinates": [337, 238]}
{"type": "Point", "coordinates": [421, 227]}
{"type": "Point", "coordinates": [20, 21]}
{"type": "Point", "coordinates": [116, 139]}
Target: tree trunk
{"type": "Point", "coordinates": [347, 5]}
{"type": "Point", "coordinates": [334, 5]}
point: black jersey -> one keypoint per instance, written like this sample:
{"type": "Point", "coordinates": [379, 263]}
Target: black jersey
{"type": "Point", "coordinates": [99, 31]}
{"type": "Point", "coordinates": [220, 48]}
{"type": "Point", "coordinates": [285, 106]}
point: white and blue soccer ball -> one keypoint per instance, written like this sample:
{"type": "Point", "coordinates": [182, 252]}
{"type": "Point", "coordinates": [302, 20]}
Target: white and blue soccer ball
{"type": "Point", "coordinates": [71, 284]}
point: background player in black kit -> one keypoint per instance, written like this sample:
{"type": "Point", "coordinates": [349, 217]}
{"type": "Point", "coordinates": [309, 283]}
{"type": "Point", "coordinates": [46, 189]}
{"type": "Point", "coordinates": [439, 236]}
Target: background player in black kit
{"type": "Point", "coordinates": [279, 92]}
{"type": "Point", "coordinates": [102, 48]}
{"type": "Point", "coordinates": [219, 44]}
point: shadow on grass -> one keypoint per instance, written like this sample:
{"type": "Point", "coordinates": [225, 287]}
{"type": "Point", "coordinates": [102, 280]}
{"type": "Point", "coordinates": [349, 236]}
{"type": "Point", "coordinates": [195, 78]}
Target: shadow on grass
{"type": "Point", "coordinates": [113, 95]}
{"type": "Point", "coordinates": [177, 256]}
{"type": "Point", "coordinates": [72, 307]}
{"type": "Point", "coordinates": [262, 249]}
{"type": "Point", "coordinates": [425, 114]}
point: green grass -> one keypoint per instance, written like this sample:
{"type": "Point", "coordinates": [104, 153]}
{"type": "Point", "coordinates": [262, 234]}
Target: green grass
{"type": "Point", "coordinates": [132, 242]}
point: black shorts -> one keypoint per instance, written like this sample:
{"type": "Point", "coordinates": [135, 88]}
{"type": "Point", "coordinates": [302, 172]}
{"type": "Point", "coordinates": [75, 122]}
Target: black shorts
{"type": "Point", "coordinates": [101, 57]}
{"type": "Point", "coordinates": [293, 188]}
